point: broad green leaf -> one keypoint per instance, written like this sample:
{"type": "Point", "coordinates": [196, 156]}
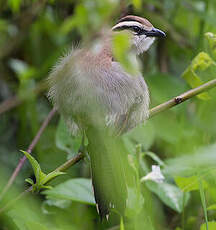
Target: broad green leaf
{"type": "Point", "coordinates": [200, 63]}
{"type": "Point", "coordinates": [32, 225]}
{"type": "Point", "coordinates": [65, 141]}
{"type": "Point", "coordinates": [211, 226]}
{"type": "Point", "coordinates": [143, 134]}
{"type": "Point", "coordinates": [30, 222]}
{"type": "Point", "coordinates": [78, 189]}
{"type": "Point", "coordinates": [169, 194]}
{"type": "Point", "coordinates": [187, 184]}
{"type": "Point", "coordinates": [212, 207]}
{"type": "Point", "coordinates": [121, 50]}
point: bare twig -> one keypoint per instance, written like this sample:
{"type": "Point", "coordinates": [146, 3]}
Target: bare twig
{"type": "Point", "coordinates": [183, 97]}
{"type": "Point", "coordinates": [29, 150]}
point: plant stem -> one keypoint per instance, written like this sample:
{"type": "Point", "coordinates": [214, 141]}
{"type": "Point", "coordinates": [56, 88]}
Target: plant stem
{"type": "Point", "coordinates": [70, 162]}
{"type": "Point", "coordinates": [29, 150]}
{"type": "Point", "coordinates": [181, 98]}
{"type": "Point", "coordinates": [61, 168]}
{"type": "Point", "coordinates": [154, 111]}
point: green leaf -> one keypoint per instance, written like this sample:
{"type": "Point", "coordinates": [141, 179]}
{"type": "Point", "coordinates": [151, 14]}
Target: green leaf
{"type": "Point", "coordinates": [122, 224]}
{"type": "Point", "coordinates": [212, 207]}
{"type": "Point", "coordinates": [169, 194]}
{"type": "Point", "coordinates": [200, 63]}
{"type": "Point", "coordinates": [51, 176]}
{"type": "Point", "coordinates": [65, 141]}
{"type": "Point", "coordinates": [154, 157]}
{"type": "Point", "coordinates": [211, 226]}
{"type": "Point", "coordinates": [79, 189]}
{"type": "Point", "coordinates": [137, 4]}
{"type": "Point", "coordinates": [211, 38]}
{"type": "Point", "coordinates": [39, 175]}
{"type": "Point", "coordinates": [143, 134]}
{"type": "Point", "coordinates": [30, 181]}
{"type": "Point", "coordinates": [41, 178]}
{"type": "Point", "coordinates": [14, 5]}
{"type": "Point", "coordinates": [121, 46]}
{"type": "Point", "coordinates": [187, 184]}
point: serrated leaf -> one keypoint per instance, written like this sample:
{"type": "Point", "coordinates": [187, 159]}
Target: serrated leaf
{"type": "Point", "coordinates": [169, 194]}
{"type": "Point", "coordinates": [78, 189]}
{"type": "Point", "coordinates": [188, 184]}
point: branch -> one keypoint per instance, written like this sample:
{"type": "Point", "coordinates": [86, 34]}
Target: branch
{"type": "Point", "coordinates": [154, 111]}
{"type": "Point", "coordinates": [61, 168]}
{"type": "Point", "coordinates": [29, 150]}
{"type": "Point", "coordinates": [181, 98]}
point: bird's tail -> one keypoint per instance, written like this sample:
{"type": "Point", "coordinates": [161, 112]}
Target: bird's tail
{"type": "Point", "coordinates": [109, 169]}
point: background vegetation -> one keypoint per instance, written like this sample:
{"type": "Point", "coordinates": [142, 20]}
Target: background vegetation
{"type": "Point", "coordinates": [33, 34]}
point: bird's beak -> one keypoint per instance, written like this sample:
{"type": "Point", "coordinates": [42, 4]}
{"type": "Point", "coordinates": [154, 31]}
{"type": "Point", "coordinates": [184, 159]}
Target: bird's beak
{"type": "Point", "coordinates": [155, 33]}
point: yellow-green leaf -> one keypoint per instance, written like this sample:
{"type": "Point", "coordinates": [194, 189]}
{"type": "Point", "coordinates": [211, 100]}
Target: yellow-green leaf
{"type": "Point", "coordinates": [211, 38]}
{"type": "Point", "coordinates": [188, 184]}
{"type": "Point", "coordinates": [211, 226]}
{"type": "Point", "coordinates": [121, 50]}
{"type": "Point", "coordinates": [200, 63]}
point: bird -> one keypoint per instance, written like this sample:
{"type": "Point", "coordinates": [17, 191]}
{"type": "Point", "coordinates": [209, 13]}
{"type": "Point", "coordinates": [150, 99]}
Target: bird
{"type": "Point", "coordinates": [98, 98]}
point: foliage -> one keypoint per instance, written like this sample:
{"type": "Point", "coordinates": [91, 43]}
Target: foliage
{"type": "Point", "coordinates": [34, 34]}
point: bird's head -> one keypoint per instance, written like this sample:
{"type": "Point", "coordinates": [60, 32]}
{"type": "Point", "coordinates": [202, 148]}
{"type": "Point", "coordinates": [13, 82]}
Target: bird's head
{"type": "Point", "coordinates": [142, 31]}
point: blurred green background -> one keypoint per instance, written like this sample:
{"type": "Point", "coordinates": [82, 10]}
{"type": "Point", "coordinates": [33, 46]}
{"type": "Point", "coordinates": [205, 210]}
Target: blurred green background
{"type": "Point", "coordinates": [182, 140]}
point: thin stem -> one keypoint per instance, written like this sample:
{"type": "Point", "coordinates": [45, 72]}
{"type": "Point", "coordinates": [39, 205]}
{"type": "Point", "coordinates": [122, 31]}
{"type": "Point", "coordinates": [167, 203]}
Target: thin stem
{"type": "Point", "coordinates": [61, 168]}
{"type": "Point", "coordinates": [181, 98]}
{"type": "Point", "coordinates": [70, 162]}
{"type": "Point", "coordinates": [29, 150]}
{"type": "Point", "coordinates": [154, 111]}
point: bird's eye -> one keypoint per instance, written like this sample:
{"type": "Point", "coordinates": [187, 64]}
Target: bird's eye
{"type": "Point", "coordinates": [137, 29]}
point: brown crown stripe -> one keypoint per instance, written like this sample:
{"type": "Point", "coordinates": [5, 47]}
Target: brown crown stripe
{"type": "Point", "coordinates": [135, 19]}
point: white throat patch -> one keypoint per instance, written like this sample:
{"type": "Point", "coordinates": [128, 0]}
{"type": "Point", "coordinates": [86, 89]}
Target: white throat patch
{"type": "Point", "coordinates": [142, 43]}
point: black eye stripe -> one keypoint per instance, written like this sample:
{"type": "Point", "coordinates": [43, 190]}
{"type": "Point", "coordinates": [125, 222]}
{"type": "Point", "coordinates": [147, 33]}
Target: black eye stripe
{"type": "Point", "coordinates": [136, 29]}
